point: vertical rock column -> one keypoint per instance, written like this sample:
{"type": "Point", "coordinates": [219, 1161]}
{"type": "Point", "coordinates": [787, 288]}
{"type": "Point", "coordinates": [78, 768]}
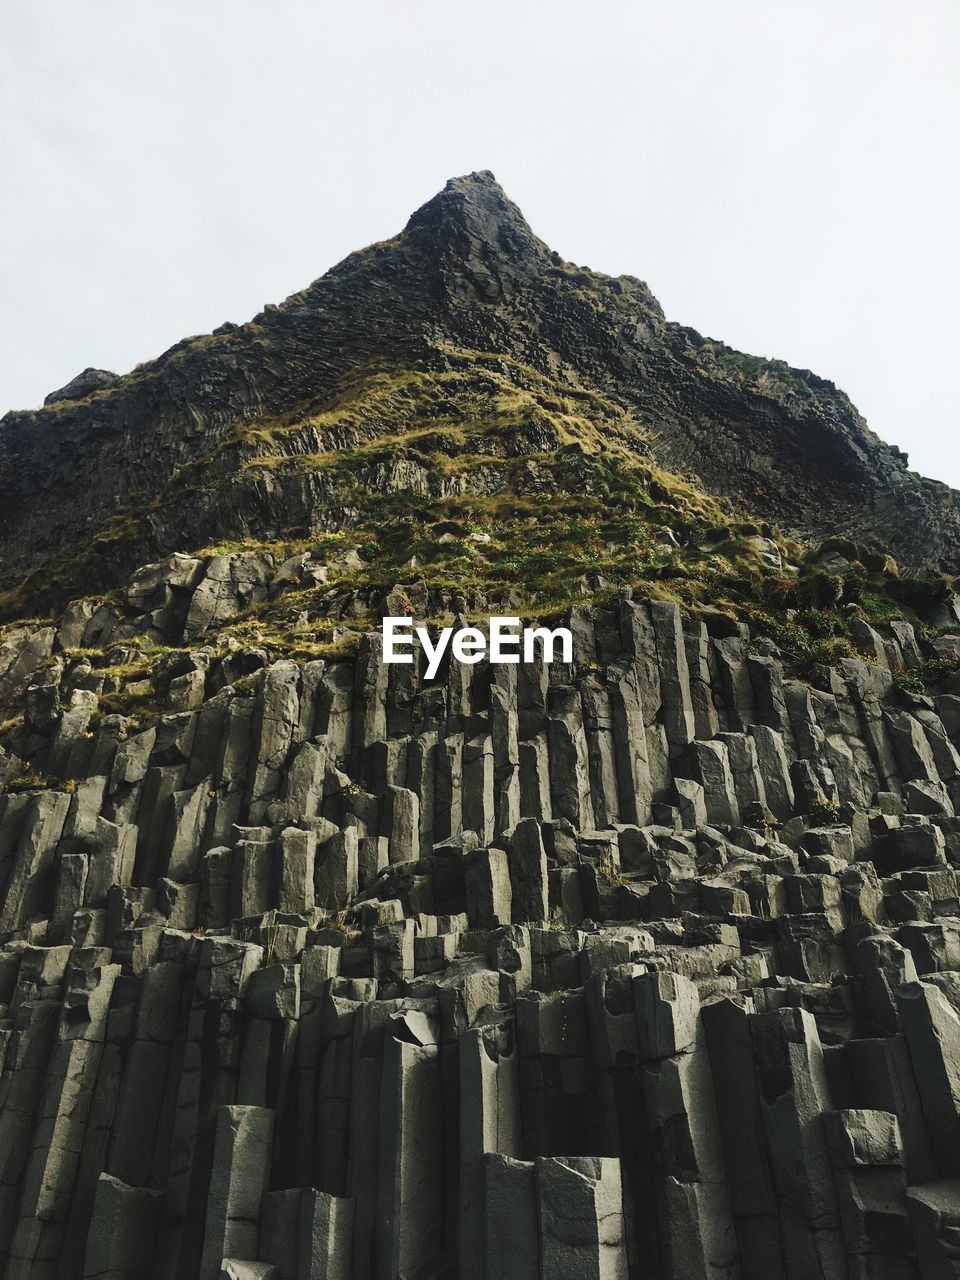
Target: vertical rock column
{"type": "Point", "coordinates": [51, 1170]}
{"type": "Point", "coordinates": [752, 1193]}
{"type": "Point", "coordinates": [239, 1178]}
{"type": "Point", "coordinates": [529, 884]}
{"type": "Point", "coordinates": [326, 1236]}
{"type": "Point", "coordinates": [511, 1227]}
{"type": "Point", "coordinates": [867, 1157]}
{"type": "Point", "coordinates": [581, 1218]}
{"type": "Point", "coordinates": [678, 715]}
{"type": "Point", "coordinates": [601, 751]}
{"type": "Point", "coordinates": [698, 1241]}
{"type": "Point", "coordinates": [122, 1229]}
{"type": "Point", "coordinates": [504, 731]}
{"type": "Point", "coordinates": [33, 861]}
{"type": "Point", "coordinates": [370, 703]}
{"type": "Point", "coordinates": [409, 1229]}
{"type": "Point", "coordinates": [276, 716]}
{"type": "Point", "coordinates": [369, 1032]}
{"type": "Point", "coordinates": [223, 973]}
{"type": "Point", "coordinates": [145, 1076]}
{"type": "Point", "coordinates": [569, 763]}
{"type": "Point", "coordinates": [794, 1093]}
{"type": "Point", "coordinates": [489, 1122]}
{"type": "Point", "coordinates": [932, 1028]}
{"type": "Point", "coordinates": [478, 795]}
{"type": "Point", "coordinates": [28, 1052]}
{"type": "Point", "coordinates": [630, 738]}
{"type": "Point", "coordinates": [306, 1233]}
{"type": "Point", "coordinates": [697, 645]}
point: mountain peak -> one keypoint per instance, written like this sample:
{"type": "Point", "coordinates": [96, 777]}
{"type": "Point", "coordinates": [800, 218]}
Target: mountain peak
{"type": "Point", "coordinates": [475, 209]}
{"type": "Point", "coordinates": [385, 364]}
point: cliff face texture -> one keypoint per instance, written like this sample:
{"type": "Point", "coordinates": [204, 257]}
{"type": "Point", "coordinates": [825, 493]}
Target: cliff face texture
{"type": "Point", "coordinates": [160, 459]}
{"type": "Point", "coordinates": [644, 966]}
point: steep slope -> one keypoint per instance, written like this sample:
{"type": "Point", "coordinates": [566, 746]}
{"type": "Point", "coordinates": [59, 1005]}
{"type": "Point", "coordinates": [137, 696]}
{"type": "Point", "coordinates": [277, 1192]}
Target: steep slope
{"type": "Point", "coordinates": [160, 458]}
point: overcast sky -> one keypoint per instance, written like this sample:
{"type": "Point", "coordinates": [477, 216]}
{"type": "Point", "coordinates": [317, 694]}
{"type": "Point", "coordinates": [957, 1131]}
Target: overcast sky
{"type": "Point", "coordinates": [783, 175]}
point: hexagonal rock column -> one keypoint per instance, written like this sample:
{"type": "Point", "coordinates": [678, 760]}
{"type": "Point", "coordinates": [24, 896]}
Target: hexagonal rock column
{"type": "Point", "coordinates": [581, 1218]}
{"type": "Point", "coordinates": [409, 1230]}
{"type": "Point", "coordinates": [240, 1176]}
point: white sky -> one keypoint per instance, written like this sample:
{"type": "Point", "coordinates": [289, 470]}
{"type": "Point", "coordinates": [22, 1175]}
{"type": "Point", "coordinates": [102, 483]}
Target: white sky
{"type": "Point", "coordinates": [784, 175]}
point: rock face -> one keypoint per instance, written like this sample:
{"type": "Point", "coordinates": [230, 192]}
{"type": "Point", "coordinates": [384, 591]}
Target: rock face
{"type": "Point", "coordinates": [629, 967]}
{"type": "Point", "coordinates": [641, 966]}
{"type": "Point", "coordinates": [83, 385]}
{"type": "Point", "coordinates": [162, 461]}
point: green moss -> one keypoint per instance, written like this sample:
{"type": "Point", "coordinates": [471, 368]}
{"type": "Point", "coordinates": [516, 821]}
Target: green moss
{"type": "Point", "coordinates": [518, 483]}
{"type": "Point", "coordinates": [32, 781]}
{"type": "Point", "coordinates": [771, 377]}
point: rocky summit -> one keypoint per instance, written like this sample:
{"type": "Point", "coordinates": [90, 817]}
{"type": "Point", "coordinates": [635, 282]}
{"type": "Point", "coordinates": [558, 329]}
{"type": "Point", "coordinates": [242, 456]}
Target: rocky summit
{"type": "Point", "coordinates": [643, 964]}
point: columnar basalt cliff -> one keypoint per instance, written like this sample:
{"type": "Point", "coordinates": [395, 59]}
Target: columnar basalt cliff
{"type": "Point", "coordinates": [643, 965]}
